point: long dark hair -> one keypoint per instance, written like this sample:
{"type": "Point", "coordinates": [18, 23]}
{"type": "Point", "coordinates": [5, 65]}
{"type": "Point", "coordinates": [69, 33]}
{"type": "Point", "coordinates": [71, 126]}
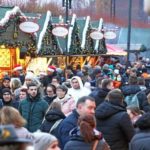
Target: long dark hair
{"type": "Point", "coordinates": [87, 123]}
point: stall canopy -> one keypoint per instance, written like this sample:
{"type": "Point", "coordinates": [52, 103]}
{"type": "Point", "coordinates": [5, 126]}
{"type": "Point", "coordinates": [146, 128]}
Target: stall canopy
{"type": "Point", "coordinates": [112, 49]}
{"type": "Point", "coordinates": [138, 36]}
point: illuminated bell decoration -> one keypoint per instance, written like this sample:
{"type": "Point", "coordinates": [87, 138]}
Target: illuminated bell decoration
{"type": "Point", "coordinates": [147, 6]}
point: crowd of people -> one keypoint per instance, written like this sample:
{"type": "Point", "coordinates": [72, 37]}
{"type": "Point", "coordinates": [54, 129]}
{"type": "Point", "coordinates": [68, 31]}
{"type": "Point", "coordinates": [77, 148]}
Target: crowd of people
{"type": "Point", "coordinates": [103, 107]}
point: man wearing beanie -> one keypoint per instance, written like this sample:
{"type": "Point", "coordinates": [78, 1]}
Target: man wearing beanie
{"type": "Point", "coordinates": [7, 99]}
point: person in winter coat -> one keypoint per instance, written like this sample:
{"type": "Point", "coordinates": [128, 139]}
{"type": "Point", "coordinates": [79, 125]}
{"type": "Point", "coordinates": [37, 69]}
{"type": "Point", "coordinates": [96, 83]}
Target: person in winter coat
{"type": "Point", "coordinates": [22, 93]}
{"type": "Point", "coordinates": [77, 89]}
{"type": "Point", "coordinates": [85, 105]}
{"type": "Point", "coordinates": [143, 100]}
{"type": "Point", "coordinates": [125, 77]}
{"type": "Point", "coordinates": [85, 136]}
{"type": "Point", "coordinates": [7, 99]}
{"type": "Point", "coordinates": [15, 85]}
{"type": "Point", "coordinates": [134, 113]}
{"type": "Point", "coordinates": [53, 115]}
{"type": "Point", "coordinates": [66, 101]}
{"type": "Point", "coordinates": [51, 72]}
{"type": "Point", "coordinates": [101, 92]}
{"type": "Point", "coordinates": [33, 108]}
{"type": "Point", "coordinates": [85, 72]}
{"type": "Point", "coordinates": [117, 78]}
{"type": "Point", "coordinates": [50, 93]}
{"type": "Point", "coordinates": [5, 84]}
{"type": "Point", "coordinates": [140, 141]}
{"type": "Point", "coordinates": [114, 122]}
{"type": "Point", "coordinates": [132, 87]}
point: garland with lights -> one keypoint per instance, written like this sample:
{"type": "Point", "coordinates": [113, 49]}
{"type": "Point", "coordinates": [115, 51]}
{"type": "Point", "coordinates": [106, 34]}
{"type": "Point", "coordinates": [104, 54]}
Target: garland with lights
{"type": "Point", "coordinates": [89, 44]}
{"type": "Point", "coordinates": [102, 46]}
{"type": "Point", "coordinates": [15, 20]}
{"type": "Point", "coordinates": [75, 47]}
{"type": "Point", "coordinates": [49, 43]}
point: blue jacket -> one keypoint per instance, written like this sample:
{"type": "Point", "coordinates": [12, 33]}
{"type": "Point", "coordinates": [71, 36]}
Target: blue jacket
{"type": "Point", "coordinates": [77, 141]}
{"type": "Point", "coordinates": [66, 126]}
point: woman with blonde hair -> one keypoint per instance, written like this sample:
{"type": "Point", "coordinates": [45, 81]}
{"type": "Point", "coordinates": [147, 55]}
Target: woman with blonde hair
{"type": "Point", "coordinates": [15, 85]}
{"type": "Point", "coordinates": [10, 115]}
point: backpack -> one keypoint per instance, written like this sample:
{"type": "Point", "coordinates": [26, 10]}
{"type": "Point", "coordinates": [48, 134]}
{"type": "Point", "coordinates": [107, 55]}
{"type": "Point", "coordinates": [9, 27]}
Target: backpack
{"type": "Point", "coordinates": [132, 100]}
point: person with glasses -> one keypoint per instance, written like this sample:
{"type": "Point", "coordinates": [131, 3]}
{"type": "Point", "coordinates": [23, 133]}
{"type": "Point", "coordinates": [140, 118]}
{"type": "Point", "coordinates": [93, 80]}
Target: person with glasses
{"type": "Point", "coordinates": [65, 100]}
{"type": "Point", "coordinates": [50, 93]}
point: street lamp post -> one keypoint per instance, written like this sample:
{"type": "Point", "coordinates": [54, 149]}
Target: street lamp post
{"type": "Point", "coordinates": [113, 9]}
{"type": "Point", "coordinates": [67, 5]}
{"type": "Point", "coordinates": [129, 32]}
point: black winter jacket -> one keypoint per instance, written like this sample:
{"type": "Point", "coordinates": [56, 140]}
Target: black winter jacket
{"type": "Point", "coordinates": [99, 95]}
{"type": "Point", "coordinates": [141, 141]}
{"type": "Point", "coordinates": [48, 99]}
{"type": "Point", "coordinates": [143, 101]}
{"type": "Point", "coordinates": [115, 125]}
{"type": "Point", "coordinates": [12, 103]}
{"type": "Point", "coordinates": [130, 89]}
{"type": "Point", "coordinates": [50, 118]}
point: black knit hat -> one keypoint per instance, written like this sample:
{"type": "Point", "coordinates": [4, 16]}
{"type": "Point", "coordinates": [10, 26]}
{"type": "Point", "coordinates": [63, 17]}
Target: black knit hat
{"type": "Point", "coordinates": [6, 78]}
{"type": "Point", "coordinates": [6, 90]}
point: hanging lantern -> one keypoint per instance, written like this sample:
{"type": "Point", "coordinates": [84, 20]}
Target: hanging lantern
{"type": "Point", "coordinates": [147, 6]}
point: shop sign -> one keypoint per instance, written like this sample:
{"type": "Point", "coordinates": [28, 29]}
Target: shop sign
{"type": "Point", "coordinates": [110, 35]}
{"type": "Point", "coordinates": [96, 35]}
{"type": "Point", "coordinates": [60, 31]}
{"type": "Point", "coordinates": [29, 27]}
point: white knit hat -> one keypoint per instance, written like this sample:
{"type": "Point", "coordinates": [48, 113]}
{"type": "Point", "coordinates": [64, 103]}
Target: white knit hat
{"type": "Point", "coordinates": [43, 140]}
{"type": "Point", "coordinates": [29, 75]}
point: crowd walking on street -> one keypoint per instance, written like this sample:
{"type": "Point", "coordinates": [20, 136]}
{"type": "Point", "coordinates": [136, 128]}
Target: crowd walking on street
{"type": "Point", "coordinates": [105, 107]}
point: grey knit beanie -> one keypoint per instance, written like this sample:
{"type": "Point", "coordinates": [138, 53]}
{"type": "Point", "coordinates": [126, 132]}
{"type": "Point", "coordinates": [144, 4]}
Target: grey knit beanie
{"type": "Point", "coordinates": [43, 140]}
